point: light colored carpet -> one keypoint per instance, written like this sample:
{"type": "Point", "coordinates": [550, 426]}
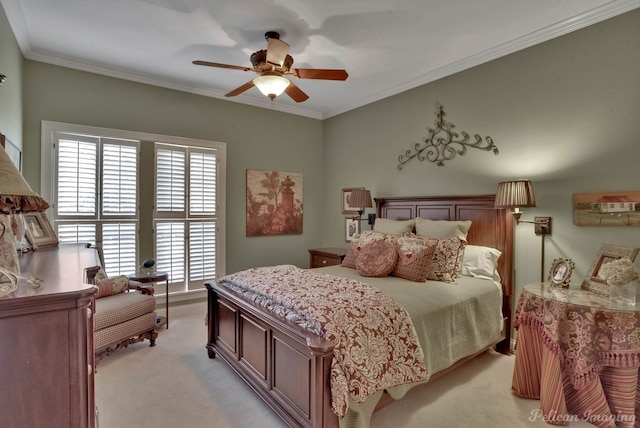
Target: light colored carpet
{"type": "Point", "coordinates": [175, 384]}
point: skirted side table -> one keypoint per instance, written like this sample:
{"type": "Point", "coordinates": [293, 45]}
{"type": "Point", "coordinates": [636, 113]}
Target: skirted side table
{"type": "Point", "coordinates": [578, 354]}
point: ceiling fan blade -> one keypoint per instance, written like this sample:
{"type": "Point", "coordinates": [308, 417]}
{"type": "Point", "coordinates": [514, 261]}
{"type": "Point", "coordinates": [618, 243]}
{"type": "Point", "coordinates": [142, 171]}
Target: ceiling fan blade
{"type": "Point", "coordinates": [215, 64]}
{"type": "Point", "coordinates": [296, 93]}
{"type": "Point", "coordinates": [277, 51]}
{"type": "Point", "coordinates": [318, 73]}
{"type": "Point", "coordinates": [240, 89]}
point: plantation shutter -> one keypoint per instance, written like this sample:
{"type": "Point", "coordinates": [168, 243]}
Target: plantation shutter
{"type": "Point", "coordinates": [185, 213]}
{"type": "Point", "coordinates": [202, 251]}
{"type": "Point", "coordinates": [170, 249]}
{"type": "Point", "coordinates": [92, 178]}
{"type": "Point", "coordinates": [119, 247]}
{"type": "Point", "coordinates": [202, 183]}
{"type": "Point", "coordinates": [119, 179]}
{"type": "Point", "coordinates": [95, 193]}
{"type": "Point", "coordinates": [77, 170]}
{"type": "Point", "coordinates": [170, 181]}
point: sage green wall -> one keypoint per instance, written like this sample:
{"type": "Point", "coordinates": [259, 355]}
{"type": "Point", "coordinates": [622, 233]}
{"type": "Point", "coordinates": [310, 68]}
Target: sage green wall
{"type": "Point", "coordinates": [11, 91]}
{"type": "Point", "coordinates": [256, 139]}
{"type": "Point", "coordinates": [564, 114]}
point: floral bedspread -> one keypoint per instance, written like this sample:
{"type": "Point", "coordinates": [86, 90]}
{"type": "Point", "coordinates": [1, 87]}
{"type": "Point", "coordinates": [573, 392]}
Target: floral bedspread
{"type": "Point", "coordinates": [585, 338]}
{"type": "Point", "coordinates": [375, 341]}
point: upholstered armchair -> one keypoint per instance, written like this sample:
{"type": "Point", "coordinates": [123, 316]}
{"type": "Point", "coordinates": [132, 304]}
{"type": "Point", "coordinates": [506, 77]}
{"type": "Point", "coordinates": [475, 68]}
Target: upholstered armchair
{"type": "Point", "coordinates": [125, 313]}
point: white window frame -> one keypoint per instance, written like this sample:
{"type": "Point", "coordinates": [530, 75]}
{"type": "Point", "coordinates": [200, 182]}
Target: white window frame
{"type": "Point", "coordinates": [49, 129]}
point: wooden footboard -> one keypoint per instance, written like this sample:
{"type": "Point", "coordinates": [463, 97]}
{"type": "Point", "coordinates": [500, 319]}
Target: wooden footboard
{"type": "Point", "coordinates": [288, 368]}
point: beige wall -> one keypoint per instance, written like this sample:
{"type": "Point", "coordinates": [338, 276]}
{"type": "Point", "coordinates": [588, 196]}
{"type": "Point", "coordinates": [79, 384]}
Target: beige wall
{"type": "Point", "coordinates": [564, 114]}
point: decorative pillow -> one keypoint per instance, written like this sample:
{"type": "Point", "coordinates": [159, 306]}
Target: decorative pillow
{"type": "Point", "coordinates": [357, 242]}
{"type": "Point", "coordinates": [394, 227]}
{"type": "Point", "coordinates": [350, 258]}
{"type": "Point", "coordinates": [111, 286]}
{"type": "Point", "coordinates": [414, 258]}
{"type": "Point", "coordinates": [377, 258]}
{"type": "Point", "coordinates": [442, 228]}
{"type": "Point", "coordinates": [481, 262]}
{"type": "Point", "coordinates": [447, 259]}
{"type": "Point", "coordinates": [99, 275]}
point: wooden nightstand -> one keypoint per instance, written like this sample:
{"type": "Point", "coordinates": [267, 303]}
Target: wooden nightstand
{"type": "Point", "coordinates": [321, 257]}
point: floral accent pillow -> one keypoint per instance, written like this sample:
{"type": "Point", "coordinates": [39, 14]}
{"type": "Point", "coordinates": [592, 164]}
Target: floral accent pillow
{"type": "Point", "coordinates": [100, 275]}
{"type": "Point", "coordinates": [349, 258]}
{"type": "Point", "coordinates": [110, 286]}
{"type": "Point", "coordinates": [415, 255]}
{"type": "Point", "coordinates": [447, 259]}
{"type": "Point", "coordinates": [377, 258]}
{"type": "Point", "coordinates": [357, 242]}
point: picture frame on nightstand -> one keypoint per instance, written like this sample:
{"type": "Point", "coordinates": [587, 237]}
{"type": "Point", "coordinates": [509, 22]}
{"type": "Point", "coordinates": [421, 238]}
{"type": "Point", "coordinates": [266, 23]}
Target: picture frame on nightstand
{"type": "Point", "coordinates": [607, 253]}
{"type": "Point", "coordinates": [560, 272]}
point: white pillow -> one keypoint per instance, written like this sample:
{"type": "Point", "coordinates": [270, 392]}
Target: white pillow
{"type": "Point", "coordinates": [394, 227]}
{"type": "Point", "coordinates": [442, 228]}
{"type": "Point", "coordinates": [481, 262]}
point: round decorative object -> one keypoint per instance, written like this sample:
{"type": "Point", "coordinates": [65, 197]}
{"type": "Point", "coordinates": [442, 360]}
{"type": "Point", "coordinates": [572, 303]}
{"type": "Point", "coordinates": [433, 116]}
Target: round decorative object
{"type": "Point", "coordinates": [149, 263]}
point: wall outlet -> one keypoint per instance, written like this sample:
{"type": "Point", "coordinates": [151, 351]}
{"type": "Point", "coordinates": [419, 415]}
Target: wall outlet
{"type": "Point", "coordinates": [542, 225]}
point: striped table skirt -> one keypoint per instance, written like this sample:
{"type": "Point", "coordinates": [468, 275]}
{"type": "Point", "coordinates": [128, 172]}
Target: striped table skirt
{"type": "Point", "coordinates": [611, 399]}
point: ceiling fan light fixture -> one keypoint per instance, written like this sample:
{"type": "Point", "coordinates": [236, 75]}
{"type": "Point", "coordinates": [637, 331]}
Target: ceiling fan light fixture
{"type": "Point", "coordinates": [271, 85]}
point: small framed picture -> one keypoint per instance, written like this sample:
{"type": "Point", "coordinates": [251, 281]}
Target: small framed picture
{"type": "Point", "coordinates": [346, 194]}
{"type": "Point", "coordinates": [595, 281]}
{"type": "Point", "coordinates": [560, 272]}
{"type": "Point", "coordinates": [39, 231]}
{"type": "Point", "coordinates": [351, 227]}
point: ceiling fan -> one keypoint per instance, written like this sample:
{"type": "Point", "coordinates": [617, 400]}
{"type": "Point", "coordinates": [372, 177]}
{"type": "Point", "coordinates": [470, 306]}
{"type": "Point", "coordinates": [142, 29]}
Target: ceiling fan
{"type": "Point", "coordinates": [271, 65]}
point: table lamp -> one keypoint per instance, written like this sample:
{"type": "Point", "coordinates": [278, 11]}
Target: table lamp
{"type": "Point", "coordinates": [16, 197]}
{"type": "Point", "coordinates": [517, 194]}
{"type": "Point", "coordinates": [360, 199]}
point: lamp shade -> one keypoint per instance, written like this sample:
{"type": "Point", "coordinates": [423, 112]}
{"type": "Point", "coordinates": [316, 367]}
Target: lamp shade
{"type": "Point", "coordinates": [15, 193]}
{"type": "Point", "coordinates": [515, 194]}
{"type": "Point", "coordinates": [360, 199]}
{"type": "Point", "coordinates": [271, 85]}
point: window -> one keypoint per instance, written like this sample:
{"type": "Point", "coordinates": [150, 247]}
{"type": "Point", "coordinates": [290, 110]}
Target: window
{"type": "Point", "coordinates": [92, 178]}
{"type": "Point", "coordinates": [186, 212]}
{"type": "Point", "coordinates": [96, 196]}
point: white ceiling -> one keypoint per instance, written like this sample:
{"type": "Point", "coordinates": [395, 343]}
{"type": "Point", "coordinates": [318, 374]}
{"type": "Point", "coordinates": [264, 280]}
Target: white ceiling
{"type": "Point", "coordinates": [387, 46]}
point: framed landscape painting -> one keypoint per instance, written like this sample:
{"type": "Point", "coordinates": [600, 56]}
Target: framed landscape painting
{"type": "Point", "coordinates": [607, 208]}
{"type": "Point", "coordinates": [274, 203]}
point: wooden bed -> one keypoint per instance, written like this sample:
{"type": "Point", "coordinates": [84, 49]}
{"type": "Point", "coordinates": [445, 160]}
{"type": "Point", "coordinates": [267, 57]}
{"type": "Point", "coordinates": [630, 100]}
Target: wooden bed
{"type": "Point", "coordinates": [289, 368]}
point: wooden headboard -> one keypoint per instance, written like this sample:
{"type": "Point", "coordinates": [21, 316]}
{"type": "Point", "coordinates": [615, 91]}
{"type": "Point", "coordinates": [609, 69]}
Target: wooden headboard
{"type": "Point", "coordinates": [490, 226]}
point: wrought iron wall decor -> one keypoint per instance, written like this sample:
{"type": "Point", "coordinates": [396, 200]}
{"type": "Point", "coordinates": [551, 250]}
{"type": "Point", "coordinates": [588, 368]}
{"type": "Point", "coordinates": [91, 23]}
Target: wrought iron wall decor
{"type": "Point", "coordinates": [443, 143]}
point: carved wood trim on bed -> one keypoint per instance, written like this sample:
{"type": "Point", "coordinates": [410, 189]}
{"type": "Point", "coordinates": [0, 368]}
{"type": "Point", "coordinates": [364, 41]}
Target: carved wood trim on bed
{"type": "Point", "coordinates": [290, 368]}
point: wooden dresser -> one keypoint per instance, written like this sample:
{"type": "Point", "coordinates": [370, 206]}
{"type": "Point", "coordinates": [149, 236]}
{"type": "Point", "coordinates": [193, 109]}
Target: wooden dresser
{"type": "Point", "coordinates": [46, 342]}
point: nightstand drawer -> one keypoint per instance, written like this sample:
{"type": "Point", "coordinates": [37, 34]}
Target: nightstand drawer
{"type": "Point", "coordinates": [320, 257]}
